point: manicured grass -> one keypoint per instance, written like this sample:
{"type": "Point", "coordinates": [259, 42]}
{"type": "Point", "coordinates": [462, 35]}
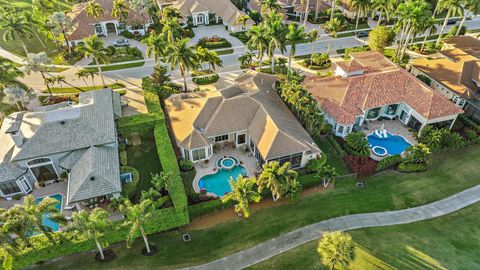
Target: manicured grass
{"type": "Point", "coordinates": [117, 67]}
{"type": "Point", "coordinates": [188, 181]}
{"type": "Point", "coordinates": [223, 52]}
{"type": "Point", "coordinates": [70, 90]}
{"type": "Point", "coordinates": [449, 242]}
{"type": "Point", "coordinates": [144, 158]}
{"type": "Point", "coordinates": [333, 159]}
{"type": "Point", "coordinates": [449, 173]}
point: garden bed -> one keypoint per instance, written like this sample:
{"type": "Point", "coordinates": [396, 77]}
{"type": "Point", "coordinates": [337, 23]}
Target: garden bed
{"type": "Point", "coordinates": [214, 42]}
{"type": "Point", "coordinates": [206, 79]}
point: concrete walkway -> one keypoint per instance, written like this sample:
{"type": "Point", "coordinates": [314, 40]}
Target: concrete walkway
{"type": "Point", "coordinates": [288, 241]}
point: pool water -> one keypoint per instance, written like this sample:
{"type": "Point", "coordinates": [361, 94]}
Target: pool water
{"type": "Point", "coordinates": [394, 144]}
{"type": "Point", "coordinates": [46, 221]}
{"type": "Point", "coordinates": [227, 162]}
{"type": "Point", "coordinates": [217, 183]}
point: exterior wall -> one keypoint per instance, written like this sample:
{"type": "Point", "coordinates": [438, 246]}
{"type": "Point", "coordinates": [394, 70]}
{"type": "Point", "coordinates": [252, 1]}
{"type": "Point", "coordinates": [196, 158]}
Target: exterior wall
{"type": "Point", "coordinates": [23, 190]}
{"type": "Point", "coordinates": [118, 30]}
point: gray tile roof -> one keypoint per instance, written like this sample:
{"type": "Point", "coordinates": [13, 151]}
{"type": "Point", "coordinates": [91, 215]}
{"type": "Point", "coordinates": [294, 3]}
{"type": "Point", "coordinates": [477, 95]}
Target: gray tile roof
{"type": "Point", "coordinates": [10, 172]}
{"type": "Point", "coordinates": [96, 174]}
{"type": "Point", "coordinates": [69, 160]}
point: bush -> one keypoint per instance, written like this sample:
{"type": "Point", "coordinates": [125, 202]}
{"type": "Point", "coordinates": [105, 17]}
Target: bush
{"type": "Point", "coordinates": [318, 61]}
{"type": "Point", "coordinates": [412, 167]}
{"type": "Point", "coordinates": [469, 123]}
{"type": "Point", "coordinates": [362, 166]}
{"type": "Point", "coordinates": [453, 31]}
{"type": "Point", "coordinates": [185, 165]}
{"type": "Point", "coordinates": [389, 162]}
{"type": "Point", "coordinates": [356, 144]}
{"type": "Point", "coordinates": [129, 189]}
{"type": "Point", "coordinates": [471, 135]}
{"type": "Point", "coordinates": [214, 42]}
{"type": "Point", "coordinates": [204, 80]}
{"type": "Point", "coordinates": [441, 139]}
{"type": "Point", "coordinates": [424, 79]}
{"type": "Point", "coordinates": [336, 146]}
{"type": "Point", "coordinates": [123, 158]}
{"type": "Point", "coordinates": [203, 208]}
{"type": "Point", "coordinates": [309, 180]}
{"type": "Point", "coordinates": [161, 201]}
{"type": "Point", "coordinates": [127, 34]}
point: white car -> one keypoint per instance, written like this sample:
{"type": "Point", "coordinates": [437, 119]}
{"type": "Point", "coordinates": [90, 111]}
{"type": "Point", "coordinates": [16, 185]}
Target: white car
{"type": "Point", "coordinates": [121, 43]}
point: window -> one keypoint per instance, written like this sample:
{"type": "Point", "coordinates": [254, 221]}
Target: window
{"type": "Point", "coordinates": [241, 139]}
{"type": "Point", "coordinates": [295, 160]}
{"type": "Point", "coordinates": [373, 113]}
{"type": "Point", "coordinates": [340, 129]}
{"type": "Point", "coordinates": [38, 161]}
{"type": "Point", "coordinates": [198, 154]}
{"type": "Point", "coordinates": [391, 109]}
{"type": "Point", "coordinates": [348, 129]}
{"type": "Point", "coordinates": [221, 138]}
{"type": "Point", "coordinates": [9, 188]}
{"type": "Point", "coordinates": [186, 154]}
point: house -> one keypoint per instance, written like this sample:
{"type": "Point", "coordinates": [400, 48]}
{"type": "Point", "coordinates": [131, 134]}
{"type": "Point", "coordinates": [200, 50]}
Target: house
{"type": "Point", "coordinates": [76, 141]}
{"type": "Point", "coordinates": [248, 114]}
{"type": "Point", "coordinates": [370, 87]}
{"type": "Point", "coordinates": [293, 8]}
{"type": "Point", "coordinates": [455, 72]}
{"type": "Point", "coordinates": [205, 12]}
{"type": "Point", "coordinates": [84, 25]}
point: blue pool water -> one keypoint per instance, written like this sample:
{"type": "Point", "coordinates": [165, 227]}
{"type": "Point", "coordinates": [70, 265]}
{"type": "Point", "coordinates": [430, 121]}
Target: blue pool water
{"type": "Point", "coordinates": [217, 183]}
{"type": "Point", "coordinates": [46, 221]}
{"type": "Point", "coordinates": [394, 144]}
{"type": "Point", "coordinates": [227, 162]}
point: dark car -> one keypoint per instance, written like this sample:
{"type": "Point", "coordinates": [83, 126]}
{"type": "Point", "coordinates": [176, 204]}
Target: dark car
{"type": "Point", "coordinates": [362, 34]}
{"type": "Point", "coordinates": [450, 22]}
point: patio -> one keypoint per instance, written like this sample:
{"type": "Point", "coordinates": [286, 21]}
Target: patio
{"type": "Point", "coordinates": [202, 168]}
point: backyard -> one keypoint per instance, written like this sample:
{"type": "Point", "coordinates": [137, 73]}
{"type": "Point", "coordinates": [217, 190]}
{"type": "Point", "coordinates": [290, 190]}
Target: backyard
{"type": "Point", "coordinates": [449, 173]}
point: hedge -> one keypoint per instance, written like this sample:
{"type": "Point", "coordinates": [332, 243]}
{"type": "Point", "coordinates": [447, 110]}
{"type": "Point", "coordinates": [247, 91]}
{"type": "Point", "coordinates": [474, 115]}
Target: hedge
{"type": "Point", "coordinates": [469, 122]}
{"type": "Point", "coordinates": [336, 146]}
{"type": "Point", "coordinates": [203, 208]}
{"type": "Point", "coordinates": [217, 44]}
{"type": "Point", "coordinates": [388, 162]}
{"type": "Point", "coordinates": [206, 80]}
{"type": "Point", "coordinates": [412, 167]}
{"type": "Point", "coordinates": [309, 180]}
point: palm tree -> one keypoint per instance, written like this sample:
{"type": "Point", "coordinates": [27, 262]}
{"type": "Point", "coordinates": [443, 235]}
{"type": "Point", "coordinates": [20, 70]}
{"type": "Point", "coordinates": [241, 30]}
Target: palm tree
{"type": "Point", "coordinates": [171, 29]}
{"type": "Point", "coordinates": [295, 35]}
{"type": "Point", "coordinates": [273, 176]}
{"type": "Point", "coordinates": [333, 27]}
{"type": "Point", "coordinates": [9, 73]}
{"type": "Point", "coordinates": [312, 37]}
{"type": "Point", "coordinates": [44, 7]}
{"type": "Point", "coordinates": [430, 26]}
{"type": "Point", "coordinates": [243, 20]}
{"type": "Point", "coordinates": [16, 96]}
{"type": "Point", "coordinates": [453, 8]}
{"type": "Point", "coordinates": [33, 24]}
{"type": "Point", "coordinates": [39, 63]}
{"type": "Point", "coordinates": [384, 7]}
{"type": "Point", "coordinates": [136, 215]}
{"type": "Point", "coordinates": [15, 28]}
{"type": "Point", "coordinates": [307, 12]}
{"type": "Point", "coordinates": [336, 248]}
{"type": "Point", "coordinates": [257, 39]}
{"type": "Point", "coordinates": [242, 194]}
{"type": "Point", "coordinates": [91, 225]}
{"type": "Point", "coordinates": [37, 211]}
{"type": "Point", "coordinates": [120, 10]}
{"type": "Point", "coordinates": [156, 44]}
{"type": "Point", "coordinates": [270, 6]}
{"type": "Point", "coordinates": [160, 181]}
{"type": "Point", "coordinates": [181, 55]}
{"type": "Point", "coordinates": [246, 59]}
{"type": "Point", "coordinates": [326, 173]}
{"type": "Point", "coordinates": [358, 142]}
{"type": "Point", "coordinates": [63, 24]}
{"type": "Point", "coordinates": [360, 7]}
{"type": "Point", "coordinates": [472, 8]}
{"type": "Point", "coordinates": [92, 73]}
{"type": "Point", "coordinates": [93, 46]}
{"type": "Point", "coordinates": [60, 79]}
{"type": "Point", "coordinates": [93, 9]}
{"type": "Point", "coordinates": [276, 33]}
{"type": "Point", "coordinates": [213, 60]}
{"type": "Point", "coordinates": [15, 221]}
{"type": "Point", "coordinates": [82, 74]}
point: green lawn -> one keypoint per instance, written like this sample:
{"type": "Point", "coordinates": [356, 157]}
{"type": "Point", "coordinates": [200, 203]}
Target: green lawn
{"type": "Point", "coordinates": [333, 159]}
{"type": "Point", "coordinates": [223, 52]}
{"type": "Point", "coordinates": [449, 242]}
{"type": "Point", "coordinates": [117, 67]}
{"type": "Point", "coordinates": [449, 173]}
{"type": "Point", "coordinates": [71, 90]}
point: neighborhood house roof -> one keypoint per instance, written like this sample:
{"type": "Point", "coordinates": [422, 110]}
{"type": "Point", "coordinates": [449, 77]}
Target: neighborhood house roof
{"type": "Point", "coordinates": [382, 83]}
{"type": "Point", "coordinates": [83, 24]}
{"type": "Point", "coordinates": [251, 105]}
{"type": "Point", "coordinates": [221, 8]}
{"type": "Point", "coordinates": [457, 68]}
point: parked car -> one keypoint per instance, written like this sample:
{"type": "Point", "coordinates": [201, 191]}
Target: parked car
{"type": "Point", "coordinates": [362, 34]}
{"type": "Point", "coordinates": [450, 22]}
{"type": "Point", "coordinates": [121, 43]}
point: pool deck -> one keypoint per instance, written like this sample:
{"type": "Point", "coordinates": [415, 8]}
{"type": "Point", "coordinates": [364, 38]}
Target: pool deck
{"type": "Point", "coordinates": [39, 192]}
{"type": "Point", "coordinates": [394, 127]}
{"type": "Point", "coordinates": [249, 162]}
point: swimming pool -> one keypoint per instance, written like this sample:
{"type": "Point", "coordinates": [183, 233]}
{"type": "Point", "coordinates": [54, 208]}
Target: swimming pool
{"type": "Point", "coordinates": [393, 144]}
{"type": "Point", "coordinates": [46, 221]}
{"type": "Point", "coordinates": [217, 183]}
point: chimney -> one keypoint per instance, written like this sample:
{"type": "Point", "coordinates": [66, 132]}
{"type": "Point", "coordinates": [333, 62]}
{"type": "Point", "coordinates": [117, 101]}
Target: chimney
{"type": "Point", "coordinates": [14, 129]}
{"type": "Point", "coordinates": [18, 138]}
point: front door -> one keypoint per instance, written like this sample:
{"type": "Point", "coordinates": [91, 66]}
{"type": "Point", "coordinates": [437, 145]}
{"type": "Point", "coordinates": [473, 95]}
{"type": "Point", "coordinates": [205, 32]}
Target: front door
{"type": "Point", "coordinates": [111, 28]}
{"type": "Point", "coordinates": [25, 185]}
{"type": "Point", "coordinates": [200, 19]}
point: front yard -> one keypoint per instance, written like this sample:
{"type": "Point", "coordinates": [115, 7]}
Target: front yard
{"type": "Point", "coordinates": [449, 173]}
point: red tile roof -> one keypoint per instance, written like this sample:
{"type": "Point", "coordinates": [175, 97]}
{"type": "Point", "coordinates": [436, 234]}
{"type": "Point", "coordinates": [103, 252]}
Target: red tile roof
{"type": "Point", "coordinates": [346, 98]}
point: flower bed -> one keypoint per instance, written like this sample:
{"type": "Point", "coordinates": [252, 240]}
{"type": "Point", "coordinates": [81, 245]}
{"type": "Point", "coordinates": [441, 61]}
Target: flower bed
{"type": "Point", "coordinates": [204, 80]}
{"type": "Point", "coordinates": [214, 42]}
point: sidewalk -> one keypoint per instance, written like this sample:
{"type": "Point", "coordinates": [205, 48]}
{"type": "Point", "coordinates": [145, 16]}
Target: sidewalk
{"type": "Point", "coordinates": [10, 56]}
{"type": "Point", "coordinates": [288, 241]}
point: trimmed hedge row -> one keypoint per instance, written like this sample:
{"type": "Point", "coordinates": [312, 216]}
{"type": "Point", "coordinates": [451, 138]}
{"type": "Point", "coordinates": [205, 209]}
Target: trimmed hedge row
{"type": "Point", "coordinates": [412, 167]}
{"type": "Point", "coordinates": [203, 208]}
{"type": "Point", "coordinates": [469, 123]}
{"type": "Point", "coordinates": [388, 162]}
{"type": "Point", "coordinates": [336, 146]}
{"type": "Point", "coordinates": [206, 80]}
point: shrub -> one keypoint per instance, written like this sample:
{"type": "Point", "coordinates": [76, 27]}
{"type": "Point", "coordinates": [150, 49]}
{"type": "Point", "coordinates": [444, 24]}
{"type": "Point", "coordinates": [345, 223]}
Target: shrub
{"type": "Point", "coordinates": [412, 167]}
{"type": "Point", "coordinates": [469, 123]}
{"type": "Point", "coordinates": [185, 165]}
{"type": "Point", "coordinates": [203, 208]}
{"type": "Point", "coordinates": [204, 80]}
{"type": "Point", "coordinates": [123, 158]}
{"type": "Point", "coordinates": [356, 144]}
{"type": "Point", "coordinates": [122, 92]}
{"type": "Point", "coordinates": [389, 162]}
{"type": "Point", "coordinates": [161, 202]}
{"type": "Point", "coordinates": [362, 166]}
{"type": "Point", "coordinates": [453, 31]}
{"type": "Point", "coordinates": [424, 79]}
{"type": "Point", "coordinates": [111, 50]}
{"type": "Point", "coordinates": [336, 146]}
{"type": "Point", "coordinates": [441, 139]}
{"type": "Point", "coordinates": [127, 34]}
{"type": "Point", "coordinates": [129, 189]}
{"type": "Point", "coordinates": [471, 135]}
{"type": "Point", "coordinates": [309, 180]}
{"type": "Point", "coordinates": [214, 42]}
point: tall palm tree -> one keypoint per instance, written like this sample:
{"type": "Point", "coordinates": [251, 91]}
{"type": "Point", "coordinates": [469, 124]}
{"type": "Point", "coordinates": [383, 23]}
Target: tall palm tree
{"type": "Point", "coordinates": [276, 33]}
{"type": "Point", "coordinates": [268, 6]}
{"type": "Point", "coordinates": [213, 60]}
{"type": "Point", "coordinates": [37, 211]}
{"type": "Point", "coordinates": [16, 96]}
{"type": "Point", "coordinates": [312, 37]}
{"type": "Point", "coordinates": [60, 79]}
{"type": "Point", "coordinates": [360, 7]}
{"type": "Point", "coordinates": [336, 248]}
{"type": "Point", "coordinates": [201, 58]}
{"type": "Point", "coordinates": [33, 24]}
{"type": "Point", "coordinates": [242, 194]}
{"type": "Point", "coordinates": [384, 7]}
{"type": "Point", "coordinates": [431, 28]}
{"type": "Point", "coordinates": [243, 20]}
{"type": "Point", "coordinates": [295, 35]}
{"type": "Point", "coordinates": [93, 46]}
{"type": "Point", "coordinates": [453, 7]}
{"type": "Point", "coordinates": [120, 10]}
{"type": "Point", "coordinates": [326, 173]}
{"type": "Point", "coordinates": [15, 221]}
{"type": "Point", "coordinates": [9, 72]}
{"type": "Point", "coordinates": [332, 9]}
{"type": "Point", "coordinates": [39, 63]}
{"type": "Point", "coordinates": [181, 55]}
{"type": "Point", "coordinates": [91, 225]}
{"type": "Point", "coordinates": [16, 28]}
{"type": "Point", "coordinates": [333, 27]}
{"type": "Point", "coordinates": [63, 24]}
{"type": "Point", "coordinates": [472, 7]}
{"type": "Point", "coordinates": [43, 7]}
{"type": "Point", "coordinates": [171, 29]}
{"type": "Point", "coordinates": [93, 9]}
{"type": "Point", "coordinates": [273, 176]}
{"type": "Point", "coordinates": [82, 74]}
{"type": "Point", "coordinates": [156, 45]}
{"type": "Point", "coordinates": [257, 39]}
{"type": "Point", "coordinates": [307, 12]}
{"type": "Point", "coordinates": [92, 73]}
{"type": "Point", "coordinates": [136, 215]}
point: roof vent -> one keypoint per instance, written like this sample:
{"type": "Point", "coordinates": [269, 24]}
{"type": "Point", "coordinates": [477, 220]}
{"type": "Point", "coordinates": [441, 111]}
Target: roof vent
{"type": "Point", "coordinates": [92, 178]}
{"type": "Point", "coordinates": [62, 122]}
